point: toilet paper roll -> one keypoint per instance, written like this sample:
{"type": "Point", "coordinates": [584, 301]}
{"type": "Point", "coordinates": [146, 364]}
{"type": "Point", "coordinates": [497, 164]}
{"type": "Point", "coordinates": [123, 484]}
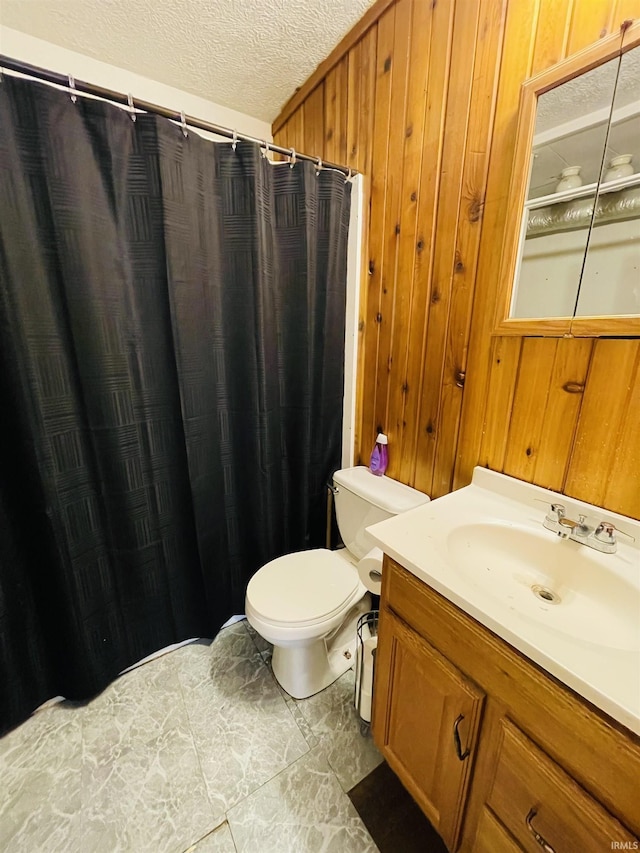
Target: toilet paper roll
{"type": "Point", "coordinates": [370, 570]}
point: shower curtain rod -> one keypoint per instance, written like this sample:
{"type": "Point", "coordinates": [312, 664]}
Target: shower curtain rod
{"type": "Point", "coordinates": [82, 87]}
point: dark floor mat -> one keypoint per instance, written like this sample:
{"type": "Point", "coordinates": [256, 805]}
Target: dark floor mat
{"type": "Point", "coordinates": [393, 819]}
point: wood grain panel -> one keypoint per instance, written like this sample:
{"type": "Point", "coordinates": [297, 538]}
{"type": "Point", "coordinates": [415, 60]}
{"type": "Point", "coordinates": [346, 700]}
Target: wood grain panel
{"type": "Point", "coordinates": [399, 389]}
{"type": "Point", "coordinates": [372, 289]}
{"type": "Point", "coordinates": [428, 191]}
{"type": "Point", "coordinates": [516, 63]}
{"type": "Point", "coordinates": [391, 231]}
{"type": "Point", "coordinates": [424, 100]}
{"type": "Point", "coordinates": [564, 399]}
{"type": "Point", "coordinates": [608, 399]}
{"type": "Point", "coordinates": [466, 22]}
{"type": "Point", "coordinates": [313, 123]}
{"type": "Point", "coordinates": [335, 113]}
{"type": "Point", "coordinates": [474, 179]}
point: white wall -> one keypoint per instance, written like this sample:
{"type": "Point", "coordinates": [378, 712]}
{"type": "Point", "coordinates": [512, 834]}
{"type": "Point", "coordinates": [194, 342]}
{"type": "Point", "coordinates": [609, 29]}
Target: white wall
{"type": "Point", "coordinates": [354, 269]}
{"type": "Point", "coordinates": [36, 51]}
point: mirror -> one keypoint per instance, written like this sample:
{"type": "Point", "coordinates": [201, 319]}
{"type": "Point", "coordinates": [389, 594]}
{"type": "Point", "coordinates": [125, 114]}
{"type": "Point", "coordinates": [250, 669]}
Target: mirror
{"type": "Point", "coordinates": [571, 264]}
{"type": "Point", "coordinates": [568, 147]}
{"type": "Point", "coordinates": [610, 281]}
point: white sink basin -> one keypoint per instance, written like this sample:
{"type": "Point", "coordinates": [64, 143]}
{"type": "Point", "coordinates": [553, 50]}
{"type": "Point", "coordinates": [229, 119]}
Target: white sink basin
{"type": "Point", "coordinates": [573, 610]}
{"type": "Point", "coordinates": [558, 583]}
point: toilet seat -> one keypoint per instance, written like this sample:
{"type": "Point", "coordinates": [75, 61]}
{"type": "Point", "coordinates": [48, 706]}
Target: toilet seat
{"type": "Point", "coordinates": [303, 588]}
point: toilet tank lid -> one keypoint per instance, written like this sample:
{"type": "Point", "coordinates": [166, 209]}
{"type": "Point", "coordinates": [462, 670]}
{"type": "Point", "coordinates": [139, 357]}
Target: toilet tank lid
{"type": "Point", "coordinates": [383, 492]}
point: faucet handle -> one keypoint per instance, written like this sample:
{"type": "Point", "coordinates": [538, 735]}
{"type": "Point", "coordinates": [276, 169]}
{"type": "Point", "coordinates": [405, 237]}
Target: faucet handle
{"type": "Point", "coordinates": [606, 532]}
{"type": "Point", "coordinates": [556, 511]}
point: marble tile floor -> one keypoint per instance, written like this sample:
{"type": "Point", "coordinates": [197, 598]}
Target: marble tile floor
{"type": "Point", "coordinates": [198, 751]}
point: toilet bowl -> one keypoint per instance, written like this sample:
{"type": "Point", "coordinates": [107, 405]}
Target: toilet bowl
{"type": "Point", "coordinates": [307, 604]}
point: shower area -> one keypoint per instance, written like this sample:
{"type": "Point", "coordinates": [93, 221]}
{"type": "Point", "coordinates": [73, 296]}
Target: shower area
{"type": "Point", "coordinates": [172, 376]}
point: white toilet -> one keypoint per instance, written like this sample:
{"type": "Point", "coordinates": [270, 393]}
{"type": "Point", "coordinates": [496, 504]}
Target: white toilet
{"type": "Point", "coordinates": [307, 604]}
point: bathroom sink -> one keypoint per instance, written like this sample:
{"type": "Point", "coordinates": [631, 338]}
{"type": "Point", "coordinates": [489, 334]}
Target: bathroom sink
{"type": "Point", "coordinates": [555, 582]}
{"type": "Point", "coordinates": [572, 609]}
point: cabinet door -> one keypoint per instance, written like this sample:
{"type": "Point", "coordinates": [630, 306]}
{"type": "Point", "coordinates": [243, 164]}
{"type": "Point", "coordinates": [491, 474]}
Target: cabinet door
{"type": "Point", "coordinates": [426, 722]}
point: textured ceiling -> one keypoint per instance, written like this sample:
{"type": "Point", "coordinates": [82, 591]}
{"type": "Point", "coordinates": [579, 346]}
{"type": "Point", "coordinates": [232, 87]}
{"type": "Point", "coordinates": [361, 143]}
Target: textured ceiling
{"type": "Point", "coordinates": [249, 55]}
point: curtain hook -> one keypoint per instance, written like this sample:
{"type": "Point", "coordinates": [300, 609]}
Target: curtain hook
{"type": "Point", "coordinates": [348, 178]}
{"type": "Point", "coordinates": [235, 140]}
{"type": "Point", "coordinates": [132, 109]}
{"type": "Point", "coordinates": [183, 124]}
{"type": "Point", "coordinates": [318, 166]}
{"type": "Point", "coordinates": [265, 153]}
{"type": "Point", "coordinates": [293, 158]}
{"type": "Point", "coordinates": [72, 87]}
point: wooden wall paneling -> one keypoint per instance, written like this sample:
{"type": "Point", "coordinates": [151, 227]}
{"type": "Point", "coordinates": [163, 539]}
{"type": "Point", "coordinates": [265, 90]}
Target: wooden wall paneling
{"type": "Point", "coordinates": [623, 488]}
{"type": "Point", "coordinates": [474, 179]}
{"type": "Point", "coordinates": [465, 29]}
{"type": "Point", "coordinates": [415, 298]}
{"type": "Point", "coordinates": [519, 37]}
{"type": "Point", "coordinates": [398, 387]}
{"type": "Point", "coordinates": [503, 374]}
{"type": "Point", "coordinates": [335, 112]}
{"type": "Point", "coordinates": [589, 22]}
{"type": "Point", "coordinates": [391, 232]}
{"type": "Point", "coordinates": [552, 33]}
{"type": "Point", "coordinates": [428, 192]}
{"type": "Point", "coordinates": [512, 360]}
{"type": "Point", "coordinates": [624, 10]}
{"type": "Point", "coordinates": [608, 397]}
{"type": "Point", "coordinates": [371, 291]}
{"type": "Point", "coordinates": [528, 409]}
{"type": "Point", "coordinates": [361, 28]}
{"type": "Point", "coordinates": [313, 123]}
{"type": "Point", "coordinates": [366, 116]}
{"type": "Point", "coordinates": [564, 398]}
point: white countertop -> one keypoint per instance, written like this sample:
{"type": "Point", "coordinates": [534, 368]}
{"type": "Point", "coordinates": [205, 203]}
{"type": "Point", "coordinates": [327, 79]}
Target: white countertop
{"type": "Point", "coordinates": [608, 677]}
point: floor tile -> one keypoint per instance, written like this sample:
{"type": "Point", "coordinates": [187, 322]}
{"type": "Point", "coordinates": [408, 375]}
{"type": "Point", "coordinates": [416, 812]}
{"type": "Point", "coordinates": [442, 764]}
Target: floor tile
{"type": "Point", "coordinates": [302, 810]}
{"type": "Point", "coordinates": [142, 782]}
{"type": "Point", "coordinates": [218, 841]}
{"type": "Point", "coordinates": [242, 728]}
{"type": "Point", "coordinates": [333, 719]}
{"type": "Point", "coordinates": [40, 769]}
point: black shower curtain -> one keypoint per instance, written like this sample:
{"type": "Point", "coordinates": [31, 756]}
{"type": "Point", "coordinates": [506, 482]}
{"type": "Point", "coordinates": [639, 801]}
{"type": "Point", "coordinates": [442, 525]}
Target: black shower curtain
{"type": "Point", "coordinates": [171, 380]}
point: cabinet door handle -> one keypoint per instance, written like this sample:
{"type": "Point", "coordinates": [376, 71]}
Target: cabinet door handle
{"type": "Point", "coordinates": [541, 841]}
{"type": "Point", "coordinates": [456, 739]}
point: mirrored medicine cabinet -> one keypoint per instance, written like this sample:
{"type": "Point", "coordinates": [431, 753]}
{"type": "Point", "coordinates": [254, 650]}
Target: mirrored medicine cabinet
{"type": "Point", "coordinates": [571, 263]}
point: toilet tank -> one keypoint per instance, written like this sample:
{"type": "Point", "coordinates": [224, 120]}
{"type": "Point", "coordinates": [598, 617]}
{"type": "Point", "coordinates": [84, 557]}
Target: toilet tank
{"type": "Point", "coordinates": [362, 498]}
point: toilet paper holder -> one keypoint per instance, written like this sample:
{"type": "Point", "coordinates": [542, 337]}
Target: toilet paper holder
{"type": "Point", "coordinates": [366, 646]}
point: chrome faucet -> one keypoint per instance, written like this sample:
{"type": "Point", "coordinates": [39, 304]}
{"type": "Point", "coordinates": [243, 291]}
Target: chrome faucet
{"type": "Point", "coordinates": [601, 538]}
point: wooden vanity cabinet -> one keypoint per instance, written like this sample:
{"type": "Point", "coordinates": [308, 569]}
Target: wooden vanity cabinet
{"type": "Point", "coordinates": [540, 765]}
{"type": "Point", "coordinates": [429, 726]}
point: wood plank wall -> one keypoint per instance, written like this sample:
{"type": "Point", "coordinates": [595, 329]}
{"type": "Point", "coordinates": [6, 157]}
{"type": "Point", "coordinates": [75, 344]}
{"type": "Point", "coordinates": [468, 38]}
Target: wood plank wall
{"type": "Point", "coordinates": [423, 99]}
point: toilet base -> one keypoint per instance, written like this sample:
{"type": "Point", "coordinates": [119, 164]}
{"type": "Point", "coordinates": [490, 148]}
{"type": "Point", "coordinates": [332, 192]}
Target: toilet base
{"type": "Point", "coordinates": [303, 670]}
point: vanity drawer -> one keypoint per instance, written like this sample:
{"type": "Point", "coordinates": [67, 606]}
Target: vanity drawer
{"type": "Point", "coordinates": [492, 837]}
{"type": "Point", "coordinates": [542, 807]}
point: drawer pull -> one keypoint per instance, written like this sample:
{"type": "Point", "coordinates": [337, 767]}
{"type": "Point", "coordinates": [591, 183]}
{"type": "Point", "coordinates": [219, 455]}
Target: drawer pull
{"type": "Point", "coordinates": [456, 739]}
{"type": "Point", "coordinates": [541, 841]}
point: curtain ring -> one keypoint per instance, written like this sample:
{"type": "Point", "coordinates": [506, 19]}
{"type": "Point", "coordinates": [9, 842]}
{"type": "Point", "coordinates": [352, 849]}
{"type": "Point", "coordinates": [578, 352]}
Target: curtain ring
{"type": "Point", "coordinates": [348, 178]}
{"type": "Point", "coordinates": [318, 167]}
{"type": "Point", "coordinates": [235, 140]}
{"type": "Point", "coordinates": [293, 158]}
{"type": "Point", "coordinates": [72, 87]}
{"type": "Point", "coordinates": [265, 153]}
{"type": "Point", "coordinates": [132, 109]}
{"type": "Point", "coordinates": [183, 124]}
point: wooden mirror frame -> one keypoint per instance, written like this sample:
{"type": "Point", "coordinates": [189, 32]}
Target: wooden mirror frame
{"type": "Point", "coordinates": [610, 326]}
